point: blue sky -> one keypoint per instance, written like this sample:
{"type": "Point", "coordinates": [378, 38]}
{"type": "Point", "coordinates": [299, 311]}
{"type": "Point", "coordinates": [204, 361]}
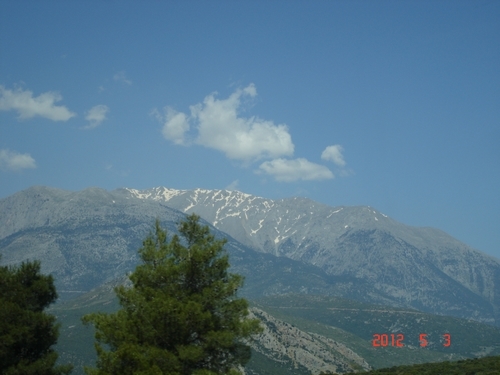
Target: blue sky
{"type": "Point", "coordinates": [392, 104]}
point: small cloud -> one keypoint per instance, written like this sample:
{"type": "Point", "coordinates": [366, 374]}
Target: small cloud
{"type": "Point", "coordinates": [15, 161]}
{"type": "Point", "coordinates": [334, 154]}
{"type": "Point", "coordinates": [121, 77]}
{"type": "Point", "coordinates": [28, 106]}
{"type": "Point", "coordinates": [221, 128]}
{"type": "Point", "coordinates": [346, 172]}
{"type": "Point", "coordinates": [110, 168]}
{"type": "Point", "coordinates": [96, 115]}
{"type": "Point", "coordinates": [175, 124]}
{"type": "Point", "coordinates": [233, 185]}
{"type": "Point", "coordinates": [293, 170]}
{"type": "Point", "coordinates": [101, 88]}
{"type": "Point", "coordinates": [250, 90]}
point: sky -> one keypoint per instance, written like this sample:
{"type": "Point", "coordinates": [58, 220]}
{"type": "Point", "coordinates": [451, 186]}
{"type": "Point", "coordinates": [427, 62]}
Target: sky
{"type": "Point", "coordinates": [391, 104]}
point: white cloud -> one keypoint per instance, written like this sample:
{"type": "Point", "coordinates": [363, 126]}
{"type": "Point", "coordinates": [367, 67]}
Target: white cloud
{"type": "Point", "coordinates": [218, 124]}
{"type": "Point", "coordinates": [28, 106]}
{"type": "Point", "coordinates": [220, 127]}
{"type": "Point", "coordinates": [334, 153]}
{"type": "Point", "coordinates": [233, 185]}
{"type": "Point", "coordinates": [121, 77]}
{"type": "Point", "coordinates": [96, 115]}
{"type": "Point", "coordinates": [15, 161]}
{"type": "Point", "coordinates": [175, 124]}
{"type": "Point", "coordinates": [297, 169]}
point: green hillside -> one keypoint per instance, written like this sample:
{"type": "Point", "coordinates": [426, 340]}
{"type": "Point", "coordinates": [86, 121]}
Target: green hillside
{"type": "Point", "coordinates": [476, 366]}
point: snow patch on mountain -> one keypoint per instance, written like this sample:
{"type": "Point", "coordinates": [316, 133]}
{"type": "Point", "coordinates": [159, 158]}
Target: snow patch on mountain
{"type": "Point", "coordinates": [157, 194]}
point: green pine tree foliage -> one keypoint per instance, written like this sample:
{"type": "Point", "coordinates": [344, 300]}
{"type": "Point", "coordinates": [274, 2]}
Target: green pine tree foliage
{"type": "Point", "coordinates": [27, 333]}
{"type": "Point", "coordinates": [181, 315]}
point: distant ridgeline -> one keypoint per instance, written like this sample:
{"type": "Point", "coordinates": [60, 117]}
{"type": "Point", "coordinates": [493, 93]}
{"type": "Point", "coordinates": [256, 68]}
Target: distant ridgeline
{"type": "Point", "coordinates": [89, 239]}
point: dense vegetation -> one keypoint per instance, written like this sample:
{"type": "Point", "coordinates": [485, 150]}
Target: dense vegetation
{"type": "Point", "coordinates": [476, 366]}
{"type": "Point", "coordinates": [27, 333]}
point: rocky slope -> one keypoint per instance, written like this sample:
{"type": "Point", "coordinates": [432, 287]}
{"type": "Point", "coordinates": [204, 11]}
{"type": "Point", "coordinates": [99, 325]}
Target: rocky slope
{"type": "Point", "coordinates": [282, 342]}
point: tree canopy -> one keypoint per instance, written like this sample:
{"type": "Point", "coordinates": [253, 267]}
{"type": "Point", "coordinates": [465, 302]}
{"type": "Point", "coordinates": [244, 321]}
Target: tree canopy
{"type": "Point", "coordinates": [181, 315]}
{"type": "Point", "coordinates": [27, 333]}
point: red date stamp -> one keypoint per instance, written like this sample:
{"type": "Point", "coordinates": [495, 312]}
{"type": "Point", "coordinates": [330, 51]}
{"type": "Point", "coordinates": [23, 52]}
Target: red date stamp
{"type": "Point", "coordinates": [396, 340]}
{"type": "Point", "coordinates": [384, 339]}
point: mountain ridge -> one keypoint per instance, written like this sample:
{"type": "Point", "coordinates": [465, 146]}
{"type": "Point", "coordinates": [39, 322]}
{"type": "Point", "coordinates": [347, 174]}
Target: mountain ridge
{"type": "Point", "coordinates": [357, 241]}
{"type": "Point", "coordinates": [93, 235]}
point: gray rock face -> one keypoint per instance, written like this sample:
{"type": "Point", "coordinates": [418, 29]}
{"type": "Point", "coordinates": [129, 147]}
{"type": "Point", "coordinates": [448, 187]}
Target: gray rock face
{"type": "Point", "coordinates": [422, 268]}
{"type": "Point", "coordinates": [83, 238]}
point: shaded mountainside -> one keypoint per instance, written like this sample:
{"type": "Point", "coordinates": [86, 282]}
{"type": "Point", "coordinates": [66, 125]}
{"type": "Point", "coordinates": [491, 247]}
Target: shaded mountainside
{"type": "Point", "coordinates": [422, 268]}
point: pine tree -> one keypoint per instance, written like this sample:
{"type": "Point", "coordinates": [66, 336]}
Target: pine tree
{"type": "Point", "coordinates": [27, 333]}
{"type": "Point", "coordinates": [181, 315]}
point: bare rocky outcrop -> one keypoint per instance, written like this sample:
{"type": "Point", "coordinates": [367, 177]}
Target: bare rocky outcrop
{"type": "Point", "coordinates": [281, 341]}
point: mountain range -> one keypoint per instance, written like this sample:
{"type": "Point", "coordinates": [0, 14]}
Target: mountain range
{"type": "Point", "coordinates": [289, 247]}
